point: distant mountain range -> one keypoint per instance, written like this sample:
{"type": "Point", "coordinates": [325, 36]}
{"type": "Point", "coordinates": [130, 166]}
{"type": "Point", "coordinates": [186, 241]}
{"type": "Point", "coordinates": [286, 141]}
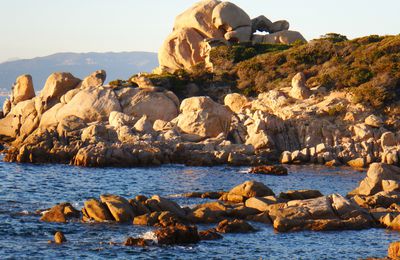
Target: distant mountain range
{"type": "Point", "coordinates": [119, 65]}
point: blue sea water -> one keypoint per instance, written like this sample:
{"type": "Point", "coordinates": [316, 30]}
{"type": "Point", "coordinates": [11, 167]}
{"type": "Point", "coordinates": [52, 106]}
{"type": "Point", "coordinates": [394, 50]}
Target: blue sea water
{"type": "Point", "coordinates": [2, 99]}
{"type": "Point", "coordinates": [26, 188]}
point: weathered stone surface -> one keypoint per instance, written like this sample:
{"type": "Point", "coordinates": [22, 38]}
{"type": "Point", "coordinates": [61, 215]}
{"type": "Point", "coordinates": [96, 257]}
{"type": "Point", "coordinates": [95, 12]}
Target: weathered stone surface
{"type": "Point", "coordinates": [60, 213]}
{"type": "Point", "coordinates": [259, 140]}
{"type": "Point", "coordinates": [262, 217]}
{"type": "Point", "coordinates": [269, 170]}
{"type": "Point", "coordinates": [394, 250]}
{"type": "Point", "coordinates": [210, 234]}
{"type": "Point", "coordinates": [90, 104]}
{"type": "Point", "coordinates": [231, 18]}
{"type": "Point", "coordinates": [250, 189]}
{"type": "Point", "coordinates": [155, 105]}
{"type": "Point", "coordinates": [59, 237]}
{"type": "Point", "coordinates": [300, 194]}
{"type": "Point", "coordinates": [95, 79]}
{"type": "Point", "coordinates": [22, 90]}
{"type": "Point", "coordinates": [207, 21]}
{"type": "Point", "coordinates": [168, 205]}
{"type": "Point", "coordinates": [388, 139]}
{"type": "Point", "coordinates": [377, 173]}
{"type": "Point", "coordinates": [176, 235]}
{"type": "Point", "coordinates": [299, 89]}
{"type": "Point", "coordinates": [118, 119]}
{"type": "Point", "coordinates": [119, 207]}
{"type": "Point", "coordinates": [236, 102]}
{"type": "Point", "coordinates": [6, 107]}
{"type": "Point", "coordinates": [97, 211]}
{"type": "Point", "coordinates": [57, 85]}
{"type": "Point", "coordinates": [141, 242]}
{"type": "Point", "coordinates": [284, 37]}
{"type": "Point", "coordinates": [374, 121]}
{"type": "Point", "coordinates": [320, 214]}
{"type": "Point", "coordinates": [138, 207]}
{"type": "Point", "coordinates": [260, 203]}
{"type": "Point", "coordinates": [203, 117]}
{"type": "Point", "coordinates": [234, 226]}
{"type": "Point", "coordinates": [149, 219]}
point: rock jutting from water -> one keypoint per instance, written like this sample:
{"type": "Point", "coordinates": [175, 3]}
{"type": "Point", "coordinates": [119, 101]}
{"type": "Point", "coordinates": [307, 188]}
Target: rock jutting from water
{"type": "Point", "coordinates": [249, 202]}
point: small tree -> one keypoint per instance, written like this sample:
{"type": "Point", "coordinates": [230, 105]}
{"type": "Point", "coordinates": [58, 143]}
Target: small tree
{"type": "Point", "coordinates": [335, 37]}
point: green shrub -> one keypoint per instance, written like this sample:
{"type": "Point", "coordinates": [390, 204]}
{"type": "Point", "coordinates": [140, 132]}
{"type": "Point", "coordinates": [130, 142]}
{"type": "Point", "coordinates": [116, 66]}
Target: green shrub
{"type": "Point", "coordinates": [335, 37]}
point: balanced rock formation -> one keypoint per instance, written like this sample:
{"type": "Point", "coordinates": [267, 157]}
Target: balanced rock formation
{"type": "Point", "coordinates": [216, 21]}
{"type": "Point", "coordinates": [22, 90]}
{"type": "Point", "coordinates": [299, 89]}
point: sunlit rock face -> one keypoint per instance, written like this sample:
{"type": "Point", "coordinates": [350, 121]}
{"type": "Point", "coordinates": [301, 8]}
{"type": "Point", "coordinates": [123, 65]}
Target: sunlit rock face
{"type": "Point", "coordinates": [207, 22]}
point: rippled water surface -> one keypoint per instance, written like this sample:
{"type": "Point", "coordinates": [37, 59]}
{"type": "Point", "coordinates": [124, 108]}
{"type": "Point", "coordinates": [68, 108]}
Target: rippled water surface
{"type": "Point", "coordinates": [27, 188]}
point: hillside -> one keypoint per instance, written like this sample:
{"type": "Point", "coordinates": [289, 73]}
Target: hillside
{"type": "Point", "coordinates": [117, 65]}
{"type": "Point", "coordinates": [367, 68]}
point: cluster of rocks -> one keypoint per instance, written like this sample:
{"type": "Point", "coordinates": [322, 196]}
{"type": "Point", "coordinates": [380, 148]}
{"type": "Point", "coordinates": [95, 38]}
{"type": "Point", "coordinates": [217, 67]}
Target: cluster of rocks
{"type": "Point", "coordinates": [211, 23]}
{"type": "Point", "coordinates": [84, 122]}
{"type": "Point", "coordinates": [373, 204]}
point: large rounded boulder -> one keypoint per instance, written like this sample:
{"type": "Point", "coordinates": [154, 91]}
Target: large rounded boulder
{"type": "Point", "coordinates": [203, 117]}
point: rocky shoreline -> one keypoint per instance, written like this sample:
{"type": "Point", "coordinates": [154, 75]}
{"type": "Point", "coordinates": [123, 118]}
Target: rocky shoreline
{"type": "Point", "coordinates": [373, 204]}
{"type": "Point", "coordinates": [85, 123]}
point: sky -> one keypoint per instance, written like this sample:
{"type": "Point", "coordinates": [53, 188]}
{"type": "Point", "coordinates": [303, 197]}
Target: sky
{"type": "Point", "coordinates": [34, 28]}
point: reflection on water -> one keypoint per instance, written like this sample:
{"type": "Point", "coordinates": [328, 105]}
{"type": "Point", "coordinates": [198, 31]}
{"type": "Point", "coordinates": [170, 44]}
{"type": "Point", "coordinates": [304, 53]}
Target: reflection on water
{"type": "Point", "coordinates": [27, 188]}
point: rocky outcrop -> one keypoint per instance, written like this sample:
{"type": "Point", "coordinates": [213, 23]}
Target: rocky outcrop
{"type": "Point", "coordinates": [96, 211]}
{"type": "Point", "coordinates": [57, 84]}
{"type": "Point", "coordinates": [201, 118]}
{"type": "Point", "coordinates": [332, 212]}
{"type": "Point", "coordinates": [22, 90]}
{"type": "Point", "coordinates": [394, 250]}
{"type": "Point", "coordinates": [380, 177]}
{"type": "Point", "coordinates": [60, 213]}
{"type": "Point", "coordinates": [139, 126]}
{"type": "Point", "coordinates": [210, 21]}
{"type": "Point", "coordinates": [234, 226]}
{"type": "Point", "coordinates": [119, 207]}
{"type": "Point", "coordinates": [177, 235]}
{"type": "Point", "coordinates": [247, 190]}
{"type": "Point", "coordinates": [299, 89]}
{"type": "Point", "coordinates": [269, 170]}
{"type": "Point", "coordinates": [59, 237]}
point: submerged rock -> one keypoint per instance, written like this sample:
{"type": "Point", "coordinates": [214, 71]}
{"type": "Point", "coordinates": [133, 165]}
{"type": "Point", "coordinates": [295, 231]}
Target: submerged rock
{"type": "Point", "coordinates": [177, 235]}
{"type": "Point", "coordinates": [60, 213]}
{"type": "Point", "coordinates": [246, 190]}
{"type": "Point", "coordinates": [300, 194]}
{"type": "Point", "coordinates": [234, 226]}
{"type": "Point", "coordinates": [269, 170]}
{"type": "Point", "coordinates": [59, 237]}
{"type": "Point", "coordinates": [141, 242]}
{"type": "Point", "coordinates": [210, 234]}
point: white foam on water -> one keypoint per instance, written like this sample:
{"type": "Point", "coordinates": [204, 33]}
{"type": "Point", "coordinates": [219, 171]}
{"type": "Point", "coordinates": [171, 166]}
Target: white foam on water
{"type": "Point", "coordinates": [244, 170]}
{"type": "Point", "coordinates": [149, 235]}
{"type": "Point", "coordinates": [175, 195]}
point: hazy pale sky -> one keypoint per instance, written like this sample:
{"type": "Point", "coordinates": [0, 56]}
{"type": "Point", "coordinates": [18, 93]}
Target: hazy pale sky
{"type": "Point", "coordinates": [31, 28]}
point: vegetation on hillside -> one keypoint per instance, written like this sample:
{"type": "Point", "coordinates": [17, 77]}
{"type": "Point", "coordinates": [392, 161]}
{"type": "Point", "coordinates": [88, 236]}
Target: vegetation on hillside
{"type": "Point", "coordinates": [367, 67]}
